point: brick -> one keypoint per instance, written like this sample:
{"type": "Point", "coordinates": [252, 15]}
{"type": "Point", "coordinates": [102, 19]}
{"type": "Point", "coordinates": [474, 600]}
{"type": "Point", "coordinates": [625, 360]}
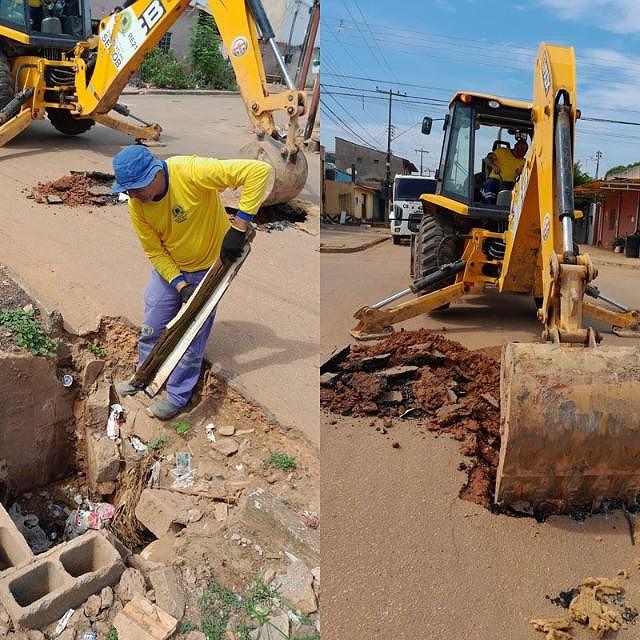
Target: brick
{"type": "Point", "coordinates": [97, 405]}
{"type": "Point", "coordinates": [91, 371]}
{"type": "Point", "coordinates": [142, 620]}
{"type": "Point", "coordinates": [263, 512]}
{"type": "Point", "coordinates": [169, 594]}
{"type": "Point", "coordinates": [139, 422]}
{"type": "Point", "coordinates": [103, 460]}
{"type": "Point", "coordinates": [41, 591]}
{"type": "Point", "coordinates": [158, 509]}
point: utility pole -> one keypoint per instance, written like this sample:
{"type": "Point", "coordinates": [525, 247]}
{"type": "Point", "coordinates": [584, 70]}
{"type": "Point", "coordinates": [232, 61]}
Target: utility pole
{"type": "Point", "coordinates": [598, 157]}
{"type": "Point", "coordinates": [293, 26]}
{"type": "Point", "coordinates": [307, 46]}
{"type": "Point", "coordinates": [421, 151]}
{"type": "Point", "coordinates": [387, 177]}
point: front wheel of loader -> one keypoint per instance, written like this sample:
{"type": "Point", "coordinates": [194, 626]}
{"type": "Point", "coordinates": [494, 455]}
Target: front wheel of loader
{"type": "Point", "coordinates": [436, 244]}
{"type": "Point", "coordinates": [65, 123]}
{"type": "Point", "coordinates": [6, 82]}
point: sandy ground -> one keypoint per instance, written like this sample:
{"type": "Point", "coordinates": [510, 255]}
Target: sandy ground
{"type": "Point", "coordinates": [409, 559]}
{"type": "Point", "coordinates": [87, 261]}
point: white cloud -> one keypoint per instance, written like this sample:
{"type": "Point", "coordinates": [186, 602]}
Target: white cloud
{"type": "Point", "coordinates": [619, 16]}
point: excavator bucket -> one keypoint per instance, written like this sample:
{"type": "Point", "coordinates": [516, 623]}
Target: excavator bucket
{"type": "Point", "coordinates": [570, 425]}
{"type": "Point", "coordinates": [289, 175]}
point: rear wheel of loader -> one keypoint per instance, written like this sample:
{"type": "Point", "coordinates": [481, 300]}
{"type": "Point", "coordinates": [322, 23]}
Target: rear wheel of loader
{"type": "Point", "coordinates": [6, 81]}
{"type": "Point", "coordinates": [436, 244]}
{"type": "Point", "coordinates": [65, 123]}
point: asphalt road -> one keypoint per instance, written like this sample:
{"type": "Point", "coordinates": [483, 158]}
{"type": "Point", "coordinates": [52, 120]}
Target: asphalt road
{"type": "Point", "coordinates": [87, 261]}
{"type": "Point", "coordinates": [404, 558]}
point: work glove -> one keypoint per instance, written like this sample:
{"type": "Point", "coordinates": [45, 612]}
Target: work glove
{"type": "Point", "coordinates": [232, 245]}
{"type": "Point", "coordinates": [186, 292]}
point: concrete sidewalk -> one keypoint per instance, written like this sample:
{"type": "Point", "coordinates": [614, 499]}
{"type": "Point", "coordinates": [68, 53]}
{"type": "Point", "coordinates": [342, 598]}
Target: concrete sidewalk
{"type": "Point", "coordinates": [351, 238]}
{"type": "Point", "coordinates": [602, 256]}
{"type": "Point", "coordinates": [87, 261]}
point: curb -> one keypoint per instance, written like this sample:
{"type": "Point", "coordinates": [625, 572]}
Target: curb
{"type": "Point", "coordinates": [360, 247]}
{"type": "Point", "coordinates": [612, 263]}
{"type": "Point", "coordinates": [179, 92]}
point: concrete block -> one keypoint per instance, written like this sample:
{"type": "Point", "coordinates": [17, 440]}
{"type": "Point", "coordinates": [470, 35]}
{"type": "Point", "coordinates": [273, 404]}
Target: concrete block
{"type": "Point", "coordinates": [169, 594]}
{"type": "Point", "coordinates": [142, 620]}
{"type": "Point", "coordinates": [97, 405]}
{"type": "Point", "coordinates": [263, 512]}
{"type": "Point", "coordinates": [158, 509]}
{"type": "Point", "coordinates": [103, 459]}
{"type": "Point", "coordinates": [14, 550]}
{"type": "Point", "coordinates": [131, 584]}
{"type": "Point", "coordinates": [64, 577]}
{"type": "Point", "coordinates": [296, 587]}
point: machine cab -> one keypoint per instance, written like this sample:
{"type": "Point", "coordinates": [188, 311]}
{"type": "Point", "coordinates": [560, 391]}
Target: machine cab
{"type": "Point", "coordinates": [58, 24]}
{"type": "Point", "coordinates": [476, 126]}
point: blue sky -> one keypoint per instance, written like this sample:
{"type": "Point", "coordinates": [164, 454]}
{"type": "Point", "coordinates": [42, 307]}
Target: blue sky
{"type": "Point", "coordinates": [434, 48]}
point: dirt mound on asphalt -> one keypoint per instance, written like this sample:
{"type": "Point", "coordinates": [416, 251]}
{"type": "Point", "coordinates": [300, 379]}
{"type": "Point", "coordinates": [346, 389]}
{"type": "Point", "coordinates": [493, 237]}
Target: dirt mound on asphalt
{"type": "Point", "coordinates": [424, 375]}
{"type": "Point", "coordinates": [77, 188]}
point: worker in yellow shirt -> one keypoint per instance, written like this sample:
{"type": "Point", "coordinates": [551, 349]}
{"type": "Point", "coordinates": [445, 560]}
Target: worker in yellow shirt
{"type": "Point", "coordinates": [505, 167]}
{"type": "Point", "coordinates": [177, 213]}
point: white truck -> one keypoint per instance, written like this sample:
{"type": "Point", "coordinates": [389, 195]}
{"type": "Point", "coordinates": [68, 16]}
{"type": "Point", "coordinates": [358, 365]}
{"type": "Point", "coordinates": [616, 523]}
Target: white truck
{"type": "Point", "coordinates": [406, 207]}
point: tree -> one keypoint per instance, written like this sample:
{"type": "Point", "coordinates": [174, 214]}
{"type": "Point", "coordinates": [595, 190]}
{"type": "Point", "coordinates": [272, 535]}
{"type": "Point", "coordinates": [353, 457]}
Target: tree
{"type": "Point", "coordinates": [579, 176]}
{"type": "Point", "coordinates": [619, 168]}
{"type": "Point", "coordinates": [209, 67]}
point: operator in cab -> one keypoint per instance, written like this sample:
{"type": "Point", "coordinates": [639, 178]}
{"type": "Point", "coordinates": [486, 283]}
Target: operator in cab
{"type": "Point", "coordinates": [505, 167]}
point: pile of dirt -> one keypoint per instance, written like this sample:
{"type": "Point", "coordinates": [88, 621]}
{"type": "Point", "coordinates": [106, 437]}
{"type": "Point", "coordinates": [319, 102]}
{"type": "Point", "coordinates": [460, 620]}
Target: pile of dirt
{"type": "Point", "coordinates": [421, 374]}
{"type": "Point", "coordinates": [77, 188]}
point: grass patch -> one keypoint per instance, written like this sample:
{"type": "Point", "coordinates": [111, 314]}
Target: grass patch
{"type": "Point", "coordinates": [187, 626]}
{"type": "Point", "coordinates": [224, 610]}
{"type": "Point", "coordinates": [180, 426]}
{"type": "Point", "coordinates": [280, 460]}
{"type": "Point", "coordinates": [27, 331]}
{"type": "Point", "coordinates": [97, 350]}
{"type": "Point", "coordinates": [113, 633]}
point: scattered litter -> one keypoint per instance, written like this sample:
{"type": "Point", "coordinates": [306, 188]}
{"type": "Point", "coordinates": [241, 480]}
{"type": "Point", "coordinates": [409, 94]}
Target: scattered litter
{"type": "Point", "coordinates": [310, 519]}
{"type": "Point", "coordinates": [29, 527]}
{"type": "Point", "coordinates": [154, 475]}
{"type": "Point", "coordinates": [94, 517]}
{"type": "Point", "coordinates": [67, 380]}
{"type": "Point", "coordinates": [239, 467]}
{"type": "Point", "coordinates": [184, 481]}
{"type": "Point", "coordinates": [116, 418]}
{"type": "Point", "coordinates": [137, 444]}
{"type": "Point", "coordinates": [89, 634]}
{"type": "Point", "coordinates": [78, 499]}
{"type": "Point", "coordinates": [210, 431]}
{"type": "Point", "coordinates": [408, 412]}
{"type": "Point", "coordinates": [63, 622]}
{"type": "Point", "coordinates": [183, 463]}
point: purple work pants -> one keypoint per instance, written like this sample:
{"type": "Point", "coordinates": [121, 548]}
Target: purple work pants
{"type": "Point", "coordinates": [161, 304]}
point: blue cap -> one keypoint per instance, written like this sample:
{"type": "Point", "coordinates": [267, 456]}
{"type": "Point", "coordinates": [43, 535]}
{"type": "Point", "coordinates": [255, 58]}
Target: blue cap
{"type": "Point", "coordinates": [135, 167]}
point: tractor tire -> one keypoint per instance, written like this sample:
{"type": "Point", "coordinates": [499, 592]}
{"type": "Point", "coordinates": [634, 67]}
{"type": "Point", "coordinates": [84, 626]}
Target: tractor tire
{"type": "Point", "coordinates": [65, 123]}
{"type": "Point", "coordinates": [436, 244]}
{"type": "Point", "coordinates": [6, 81]}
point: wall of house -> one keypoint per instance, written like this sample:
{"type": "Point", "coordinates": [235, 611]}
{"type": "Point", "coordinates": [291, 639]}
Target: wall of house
{"type": "Point", "coordinates": [370, 163]}
{"type": "Point", "coordinates": [333, 191]}
{"type": "Point", "coordinates": [617, 216]}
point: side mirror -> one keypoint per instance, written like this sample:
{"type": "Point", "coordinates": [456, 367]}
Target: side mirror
{"type": "Point", "coordinates": [426, 125]}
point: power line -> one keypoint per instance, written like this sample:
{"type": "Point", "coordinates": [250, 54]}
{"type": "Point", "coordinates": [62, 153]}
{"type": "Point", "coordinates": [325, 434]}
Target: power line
{"type": "Point", "coordinates": [338, 120]}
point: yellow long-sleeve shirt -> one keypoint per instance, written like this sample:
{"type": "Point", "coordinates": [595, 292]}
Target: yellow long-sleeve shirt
{"type": "Point", "coordinates": [184, 230]}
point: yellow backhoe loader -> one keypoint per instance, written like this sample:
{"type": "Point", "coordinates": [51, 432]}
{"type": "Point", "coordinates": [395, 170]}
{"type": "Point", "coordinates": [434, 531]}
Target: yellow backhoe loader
{"type": "Point", "coordinates": [570, 409]}
{"type": "Point", "coordinates": [55, 60]}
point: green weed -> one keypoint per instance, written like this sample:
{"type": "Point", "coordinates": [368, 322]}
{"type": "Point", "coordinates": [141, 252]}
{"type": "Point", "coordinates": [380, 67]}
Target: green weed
{"type": "Point", "coordinates": [280, 460]}
{"type": "Point", "coordinates": [113, 633]}
{"type": "Point", "coordinates": [158, 443]}
{"type": "Point", "coordinates": [181, 427]}
{"type": "Point", "coordinates": [28, 333]}
{"type": "Point", "coordinates": [97, 350]}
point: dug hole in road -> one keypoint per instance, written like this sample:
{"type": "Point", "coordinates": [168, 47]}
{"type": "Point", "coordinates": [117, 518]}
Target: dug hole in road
{"type": "Point", "coordinates": [216, 513]}
{"type": "Point", "coordinates": [416, 552]}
